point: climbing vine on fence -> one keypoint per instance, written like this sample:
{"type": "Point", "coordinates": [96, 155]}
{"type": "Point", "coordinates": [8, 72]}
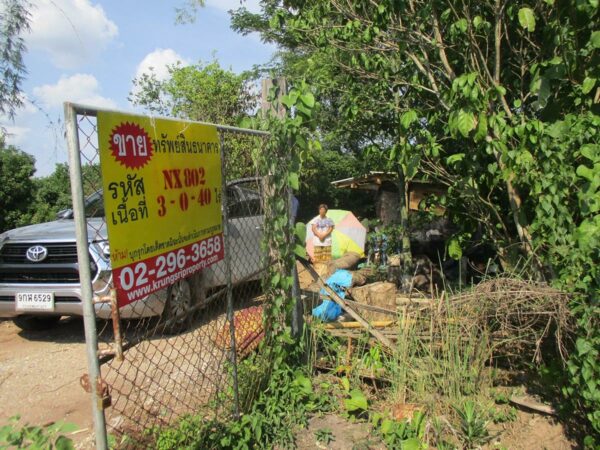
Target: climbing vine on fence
{"type": "Point", "coordinates": [281, 160]}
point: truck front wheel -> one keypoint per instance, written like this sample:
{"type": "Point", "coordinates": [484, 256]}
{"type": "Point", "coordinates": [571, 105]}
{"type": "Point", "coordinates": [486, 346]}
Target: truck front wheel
{"type": "Point", "coordinates": [177, 316]}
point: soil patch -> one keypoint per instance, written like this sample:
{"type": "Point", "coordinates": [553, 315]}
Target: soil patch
{"type": "Point", "coordinates": [39, 377]}
{"type": "Point", "coordinates": [345, 435]}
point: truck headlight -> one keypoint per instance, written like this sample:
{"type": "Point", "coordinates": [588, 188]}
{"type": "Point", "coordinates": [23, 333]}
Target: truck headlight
{"type": "Point", "coordinates": [103, 249]}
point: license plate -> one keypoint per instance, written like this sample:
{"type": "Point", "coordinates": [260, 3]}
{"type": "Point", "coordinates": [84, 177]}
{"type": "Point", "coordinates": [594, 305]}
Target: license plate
{"type": "Point", "coordinates": [28, 301]}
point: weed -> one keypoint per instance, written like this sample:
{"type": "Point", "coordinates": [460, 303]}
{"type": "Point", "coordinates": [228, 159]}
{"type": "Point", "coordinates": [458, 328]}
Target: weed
{"type": "Point", "coordinates": [324, 436]}
{"type": "Point", "coordinates": [401, 434]}
{"type": "Point", "coordinates": [501, 398]}
{"type": "Point", "coordinates": [284, 405]}
{"type": "Point", "coordinates": [49, 437]}
{"type": "Point", "coordinates": [473, 425]}
{"type": "Point", "coordinates": [439, 359]}
{"type": "Point", "coordinates": [439, 435]}
{"type": "Point", "coordinates": [356, 402]}
{"type": "Point", "coordinates": [503, 415]}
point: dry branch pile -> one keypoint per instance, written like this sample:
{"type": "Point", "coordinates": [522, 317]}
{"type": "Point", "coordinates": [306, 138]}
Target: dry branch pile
{"type": "Point", "coordinates": [517, 317]}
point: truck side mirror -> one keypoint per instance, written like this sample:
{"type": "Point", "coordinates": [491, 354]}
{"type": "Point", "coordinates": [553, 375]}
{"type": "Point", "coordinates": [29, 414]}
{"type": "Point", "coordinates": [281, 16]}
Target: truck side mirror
{"type": "Point", "coordinates": [64, 214]}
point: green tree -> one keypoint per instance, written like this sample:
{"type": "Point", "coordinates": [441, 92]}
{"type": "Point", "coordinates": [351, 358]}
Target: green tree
{"type": "Point", "coordinates": [14, 22]}
{"type": "Point", "coordinates": [440, 83]}
{"type": "Point", "coordinates": [52, 194]}
{"type": "Point", "coordinates": [497, 99]}
{"type": "Point", "coordinates": [202, 92]}
{"type": "Point", "coordinates": [318, 171]}
{"type": "Point", "coordinates": [205, 93]}
{"type": "Point", "coordinates": [16, 186]}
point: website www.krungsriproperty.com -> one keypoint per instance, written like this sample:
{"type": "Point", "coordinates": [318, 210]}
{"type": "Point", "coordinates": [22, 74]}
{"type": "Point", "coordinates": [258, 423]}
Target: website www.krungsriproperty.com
{"type": "Point", "coordinates": [156, 285]}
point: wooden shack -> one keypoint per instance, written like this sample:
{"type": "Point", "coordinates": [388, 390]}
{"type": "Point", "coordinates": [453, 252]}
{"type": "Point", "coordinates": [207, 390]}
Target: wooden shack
{"type": "Point", "coordinates": [384, 186]}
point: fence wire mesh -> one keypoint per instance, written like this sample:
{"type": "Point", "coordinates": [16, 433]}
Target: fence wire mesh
{"type": "Point", "coordinates": [177, 343]}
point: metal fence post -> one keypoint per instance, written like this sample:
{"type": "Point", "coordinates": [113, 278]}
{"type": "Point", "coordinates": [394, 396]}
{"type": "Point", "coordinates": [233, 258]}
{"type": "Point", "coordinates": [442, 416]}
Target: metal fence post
{"type": "Point", "coordinates": [83, 257]}
{"type": "Point", "coordinates": [227, 247]}
{"type": "Point", "coordinates": [298, 310]}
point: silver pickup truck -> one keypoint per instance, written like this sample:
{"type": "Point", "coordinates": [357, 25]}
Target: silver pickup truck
{"type": "Point", "coordinates": [39, 272]}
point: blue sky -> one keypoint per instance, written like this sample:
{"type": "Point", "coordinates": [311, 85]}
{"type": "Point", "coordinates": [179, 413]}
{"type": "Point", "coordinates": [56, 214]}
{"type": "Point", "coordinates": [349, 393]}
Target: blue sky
{"type": "Point", "coordinates": [89, 51]}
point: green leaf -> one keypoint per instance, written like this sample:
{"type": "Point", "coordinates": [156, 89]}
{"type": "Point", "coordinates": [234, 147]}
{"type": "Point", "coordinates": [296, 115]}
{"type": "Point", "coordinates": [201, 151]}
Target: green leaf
{"type": "Point", "coordinates": [557, 130]}
{"type": "Point", "coordinates": [590, 152]}
{"type": "Point", "coordinates": [482, 126]}
{"type": "Point", "coordinates": [595, 39]}
{"type": "Point", "coordinates": [465, 122]}
{"type": "Point", "coordinates": [308, 99]}
{"type": "Point", "coordinates": [300, 250]}
{"type": "Point", "coordinates": [302, 382]}
{"type": "Point", "coordinates": [462, 25]}
{"type": "Point", "coordinates": [304, 110]}
{"type": "Point", "coordinates": [544, 91]}
{"type": "Point", "coordinates": [275, 279]}
{"type": "Point", "coordinates": [376, 418]}
{"type": "Point", "coordinates": [527, 19]}
{"type": "Point", "coordinates": [287, 101]}
{"type": "Point", "coordinates": [583, 346]}
{"type": "Point", "coordinates": [556, 61]}
{"type": "Point", "coordinates": [300, 231]}
{"type": "Point", "coordinates": [345, 384]}
{"type": "Point", "coordinates": [454, 249]}
{"type": "Point", "coordinates": [386, 426]}
{"type": "Point", "coordinates": [356, 402]}
{"type": "Point", "coordinates": [585, 172]}
{"type": "Point", "coordinates": [588, 84]}
{"type": "Point", "coordinates": [587, 233]}
{"type": "Point", "coordinates": [455, 158]}
{"type": "Point", "coordinates": [408, 118]}
{"type": "Point", "coordinates": [67, 427]}
{"type": "Point", "coordinates": [64, 443]}
{"type": "Point", "coordinates": [471, 77]}
{"type": "Point", "coordinates": [411, 444]}
{"type": "Point", "coordinates": [294, 180]}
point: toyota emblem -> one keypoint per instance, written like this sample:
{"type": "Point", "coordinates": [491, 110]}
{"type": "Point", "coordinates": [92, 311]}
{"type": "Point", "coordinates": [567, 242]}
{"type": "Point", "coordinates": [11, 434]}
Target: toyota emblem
{"type": "Point", "coordinates": [37, 253]}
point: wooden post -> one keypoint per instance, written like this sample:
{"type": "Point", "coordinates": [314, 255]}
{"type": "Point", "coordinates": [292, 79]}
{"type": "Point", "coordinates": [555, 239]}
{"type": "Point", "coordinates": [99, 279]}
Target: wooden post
{"type": "Point", "coordinates": [265, 104]}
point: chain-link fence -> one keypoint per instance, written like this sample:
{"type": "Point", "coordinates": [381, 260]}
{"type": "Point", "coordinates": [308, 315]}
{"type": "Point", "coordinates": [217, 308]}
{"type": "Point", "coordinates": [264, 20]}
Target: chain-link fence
{"type": "Point", "coordinates": [174, 352]}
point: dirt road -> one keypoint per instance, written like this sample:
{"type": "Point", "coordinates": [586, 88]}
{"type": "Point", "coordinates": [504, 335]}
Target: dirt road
{"type": "Point", "coordinates": [39, 376]}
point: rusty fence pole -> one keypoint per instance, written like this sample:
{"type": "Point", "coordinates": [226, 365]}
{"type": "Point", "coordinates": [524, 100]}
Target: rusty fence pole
{"type": "Point", "coordinates": [85, 277]}
{"type": "Point", "coordinates": [116, 323]}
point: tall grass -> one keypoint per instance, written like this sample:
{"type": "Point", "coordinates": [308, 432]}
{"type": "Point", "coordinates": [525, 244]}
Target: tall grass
{"type": "Point", "coordinates": [439, 358]}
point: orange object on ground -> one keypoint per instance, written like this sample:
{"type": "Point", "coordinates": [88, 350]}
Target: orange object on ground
{"type": "Point", "coordinates": [249, 331]}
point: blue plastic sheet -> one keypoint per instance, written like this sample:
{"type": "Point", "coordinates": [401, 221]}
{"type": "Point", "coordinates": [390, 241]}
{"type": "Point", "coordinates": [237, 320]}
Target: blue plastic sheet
{"type": "Point", "coordinates": [328, 311]}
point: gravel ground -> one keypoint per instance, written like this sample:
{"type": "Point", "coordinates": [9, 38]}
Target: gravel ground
{"type": "Point", "coordinates": [39, 377]}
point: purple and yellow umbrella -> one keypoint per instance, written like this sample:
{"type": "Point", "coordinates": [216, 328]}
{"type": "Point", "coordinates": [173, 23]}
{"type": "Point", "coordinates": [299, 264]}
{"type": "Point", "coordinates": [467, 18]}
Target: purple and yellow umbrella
{"type": "Point", "coordinates": [348, 235]}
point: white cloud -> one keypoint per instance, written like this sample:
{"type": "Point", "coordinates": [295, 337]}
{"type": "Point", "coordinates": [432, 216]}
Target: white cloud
{"type": "Point", "coordinates": [227, 5]}
{"type": "Point", "coordinates": [158, 62]}
{"type": "Point", "coordinates": [71, 31]}
{"type": "Point", "coordinates": [78, 88]}
{"type": "Point", "coordinates": [15, 135]}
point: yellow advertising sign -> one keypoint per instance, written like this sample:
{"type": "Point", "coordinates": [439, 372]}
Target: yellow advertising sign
{"type": "Point", "coordinates": [162, 195]}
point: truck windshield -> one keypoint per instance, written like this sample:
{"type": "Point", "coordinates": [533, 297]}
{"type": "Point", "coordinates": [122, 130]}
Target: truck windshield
{"type": "Point", "coordinates": [94, 205]}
